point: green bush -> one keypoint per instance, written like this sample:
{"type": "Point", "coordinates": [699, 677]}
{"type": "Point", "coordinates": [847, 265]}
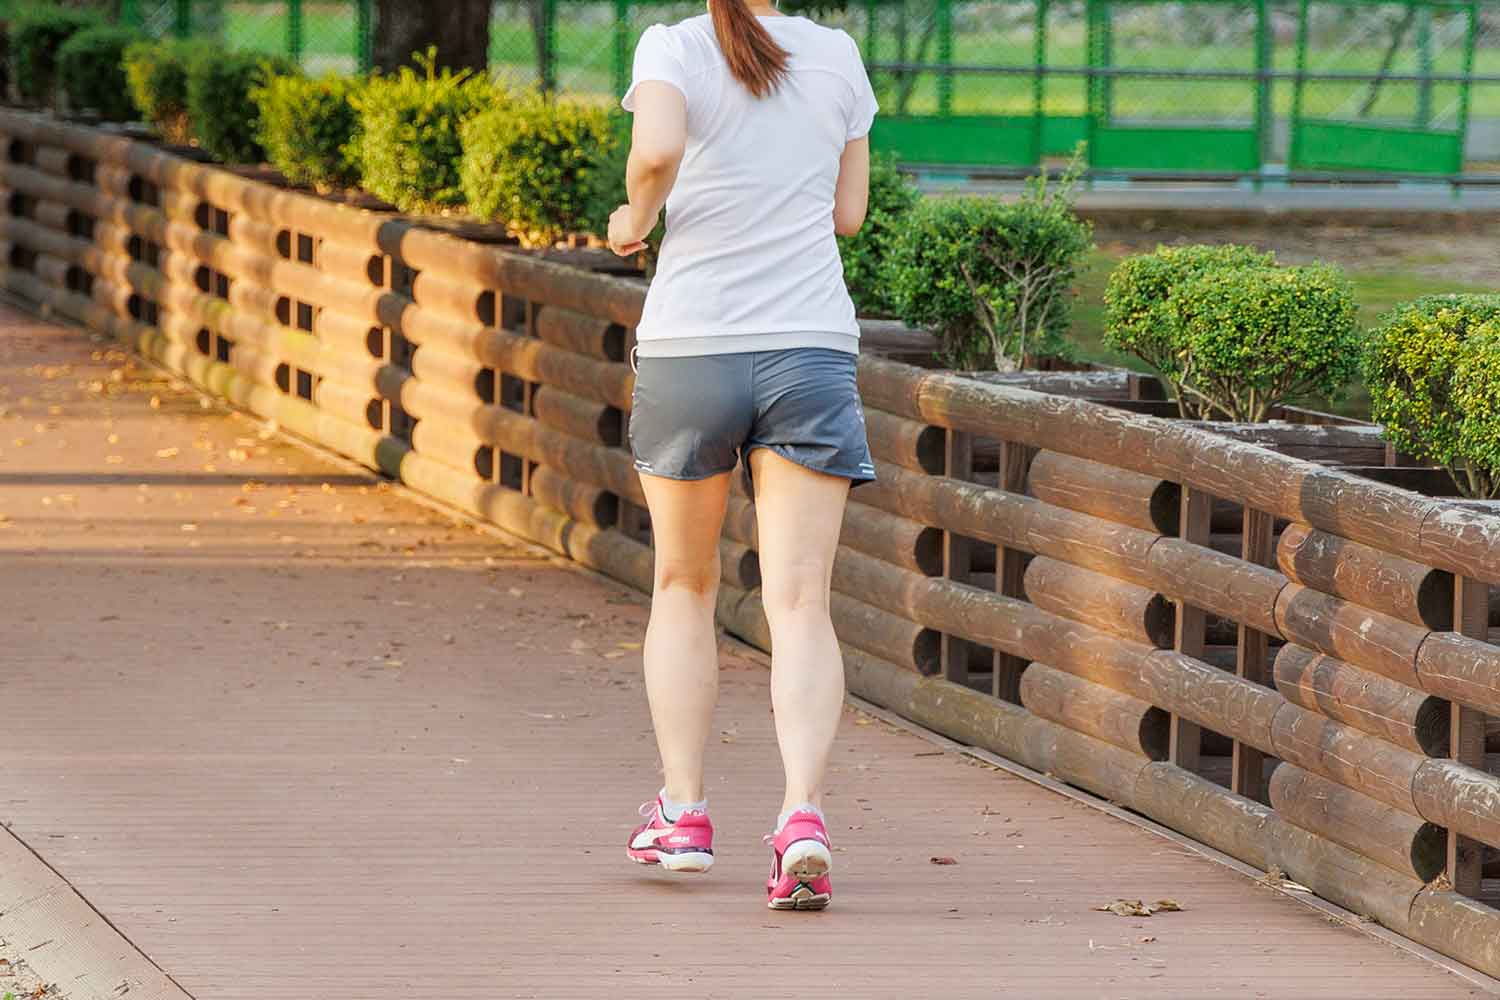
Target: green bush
{"type": "Point", "coordinates": [36, 35]}
{"type": "Point", "coordinates": [156, 74]}
{"type": "Point", "coordinates": [1252, 338]}
{"type": "Point", "coordinates": [224, 120]}
{"type": "Point", "coordinates": [409, 151]}
{"type": "Point", "coordinates": [91, 70]}
{"type": "Point", "coordinates": [540, 165]}
{"type": "Point", "coordinates": [991, 279]}
{"type": "Point", "coordinates": [1430, 370]}
{"type": "Point", "coordinates": [307, 128]}
{"type": "Point", "coordinates": [1138, 317]}
{"type": "Point", "coordinates": [892, 197]}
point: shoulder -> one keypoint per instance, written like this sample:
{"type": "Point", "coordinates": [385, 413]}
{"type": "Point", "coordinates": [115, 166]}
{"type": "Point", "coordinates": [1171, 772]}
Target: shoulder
{"type": "Point", "coordinates": [690, 41]}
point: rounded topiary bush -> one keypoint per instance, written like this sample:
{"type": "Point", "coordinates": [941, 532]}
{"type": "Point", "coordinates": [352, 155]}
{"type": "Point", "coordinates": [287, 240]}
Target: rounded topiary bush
{"type": "Point", "coordinates": [156, 75]}
{"type": "Point", "coordinates": [307, 128]}
{"type": "Point", "coordinates": [1252, 338]}
{"type": "Point", "coordinates": [409, 149]}
{"type": "Point", "coordinates": [91, 71]}
{"type": "Point", "coordinates": [1138, 319]}
{"type": "Point", "coordinates": [36, 36]}
{"type": "Point", "coordinates": [892, 197]}
{"type": "Point", "coordinates": [224, 120]}
{"type": "Point", "coordinates": [539, 166]}
{"type": "Point", "coordinates": [991, 279]}
{"type": "Point", "coordinates": [1430, 369]}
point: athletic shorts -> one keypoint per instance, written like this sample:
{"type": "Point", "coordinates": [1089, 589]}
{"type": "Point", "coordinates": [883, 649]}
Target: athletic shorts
{"type": "Point", "coordinates": [695, 417]}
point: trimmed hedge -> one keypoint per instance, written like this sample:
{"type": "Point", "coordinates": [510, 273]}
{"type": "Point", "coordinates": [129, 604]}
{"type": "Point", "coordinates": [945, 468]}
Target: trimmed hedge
{"type": "Point", "coordinates": [91, 70]}
{"type": "Point", "coordinates": [1252, 338]}
{"type": "Point", "coordinates": [156, 74]}
{"type": "Point", "coordinates": [992, 280]}
{"type": "Point", "coordinates": [892, 198]}
{"type": "Point", "coordinates": [224, 120]}
{"type": "Point", "coordinates": [35, 38]}
{"type": "Point", "coordinates": [1138, 317]}
{"type": "Point", "coordinates": [543, 166]}
{"type": "Point", "coordinates": [1431, 372]}
{"type": "Point", "coordinates": [408, 150]}
{"type": "Point", "coordinates": [307, 127]}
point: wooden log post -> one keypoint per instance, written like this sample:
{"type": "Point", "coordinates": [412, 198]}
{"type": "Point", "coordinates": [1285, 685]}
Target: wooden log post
{"type": "Point", "coordinates": [1471, 613]}
{"type": "Point", "coordinates": [1143, 502]}
{"type": "Point", "coordinates": [1367, 576]}
{"type": "Point", "coordinates": [1185, 738]}
{"type": "Point", "coordinates": [1367, 701]}
{"type": "Point", "coordinates": [1095, 710]}
{"type": "Point", "coordinates": [1114, 606]}
{"type": "Point", "coordinates": [1252, 658]}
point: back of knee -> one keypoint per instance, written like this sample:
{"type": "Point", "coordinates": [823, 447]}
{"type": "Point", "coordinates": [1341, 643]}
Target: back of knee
{"type": "Point", "coordinates": [699, 578]}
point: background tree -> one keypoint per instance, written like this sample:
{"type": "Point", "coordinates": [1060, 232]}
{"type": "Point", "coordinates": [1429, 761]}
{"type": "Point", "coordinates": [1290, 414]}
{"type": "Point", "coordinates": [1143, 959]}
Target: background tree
{"type": "Point", "coordinates": [460, 30]}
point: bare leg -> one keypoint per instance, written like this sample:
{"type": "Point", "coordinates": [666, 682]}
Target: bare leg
{"type": "Point", "coordinates": [799, 514]}
{"type": "Point", "coordinates": [682, 654]}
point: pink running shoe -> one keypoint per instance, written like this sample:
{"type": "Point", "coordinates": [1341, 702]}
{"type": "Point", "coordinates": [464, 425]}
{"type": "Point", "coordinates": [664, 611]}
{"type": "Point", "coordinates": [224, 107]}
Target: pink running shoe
{"type": "Point", "coordinates": [684, 846]}
{"type": "Point", "coordinates": [800, 860]}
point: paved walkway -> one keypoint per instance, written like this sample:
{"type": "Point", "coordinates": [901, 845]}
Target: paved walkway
{"type": "Point", "coordinates": [298, 736]}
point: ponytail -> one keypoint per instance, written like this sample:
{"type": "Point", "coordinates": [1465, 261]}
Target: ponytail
{"type": "Point", "coordinates": [753, 56]}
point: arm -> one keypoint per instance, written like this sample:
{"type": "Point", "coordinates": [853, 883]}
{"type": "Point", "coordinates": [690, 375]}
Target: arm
{"type": "Point", "coordinates": [851, 197]}
{"type": "Point", "coordinates": [657, 141]}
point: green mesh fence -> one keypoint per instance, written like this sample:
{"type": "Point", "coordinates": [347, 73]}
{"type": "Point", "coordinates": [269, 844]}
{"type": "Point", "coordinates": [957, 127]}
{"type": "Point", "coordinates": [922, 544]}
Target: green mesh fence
{"type": "Point", "coordinates": [1180, 85]}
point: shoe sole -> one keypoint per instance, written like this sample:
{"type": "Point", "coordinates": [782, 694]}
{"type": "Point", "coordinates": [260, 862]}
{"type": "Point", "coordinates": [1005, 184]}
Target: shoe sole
{"type": "Point", "coordinates": [691, 862]}
{"type": "Point", "coordinates": [804, 860]}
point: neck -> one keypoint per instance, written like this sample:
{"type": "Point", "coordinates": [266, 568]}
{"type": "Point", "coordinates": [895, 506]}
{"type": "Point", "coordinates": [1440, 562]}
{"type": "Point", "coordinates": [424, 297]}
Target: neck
{"type": "Point", "coordinates": [763, 10]}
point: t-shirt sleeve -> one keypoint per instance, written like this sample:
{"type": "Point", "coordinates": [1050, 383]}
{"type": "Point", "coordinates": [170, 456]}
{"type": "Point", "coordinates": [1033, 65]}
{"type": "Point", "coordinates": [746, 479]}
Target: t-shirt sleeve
{"type": "Point", "coordinates": [657, 57]}
{"type": "Point", "coordinates": [862, 112]}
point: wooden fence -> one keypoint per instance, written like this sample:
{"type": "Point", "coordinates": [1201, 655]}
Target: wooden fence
{"type": "Point", "coordinates": [1284, 660]}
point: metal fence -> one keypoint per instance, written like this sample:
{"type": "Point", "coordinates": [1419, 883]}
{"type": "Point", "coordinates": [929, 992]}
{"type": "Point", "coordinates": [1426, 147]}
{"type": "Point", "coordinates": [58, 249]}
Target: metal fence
{"type": "Point", "coordinates": [1237, 86]}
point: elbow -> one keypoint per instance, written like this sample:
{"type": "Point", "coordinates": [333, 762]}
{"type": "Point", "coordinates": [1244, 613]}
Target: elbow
{"type": "Point", "coordinates": [847, 224]}
{"type": "Point", "coordinates": [650, 162]}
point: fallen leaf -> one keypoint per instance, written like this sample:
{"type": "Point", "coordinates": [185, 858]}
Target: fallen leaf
{"type": "Point", "coordinates": [190, 526]}
{"type": "Point", "coordinates": [1126, 908]}
{"type": "Point", "coordinates": [167, 452]}
{"type": "Point", "coordinates": [943, 861]}
{"type": "Point", "coordinates": [863, 721]}
{"type": "Point", "coordinates": [1169, 906]}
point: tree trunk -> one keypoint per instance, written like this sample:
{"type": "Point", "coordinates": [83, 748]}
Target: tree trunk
{"type": "Point", "coordinates": [459, 28]}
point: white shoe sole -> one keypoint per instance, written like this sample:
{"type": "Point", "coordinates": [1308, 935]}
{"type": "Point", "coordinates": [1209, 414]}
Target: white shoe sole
{"type": "Point", "coordinates": [693, 862]}
{"type": "Point", "coordinates": [804, 860]}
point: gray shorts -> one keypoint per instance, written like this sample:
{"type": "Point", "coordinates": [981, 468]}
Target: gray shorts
{"type": "Point", "coordinates": [695, 417]}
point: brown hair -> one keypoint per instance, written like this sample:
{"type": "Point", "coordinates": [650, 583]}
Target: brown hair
{"type": "Point", "coordinates": [753, 56]}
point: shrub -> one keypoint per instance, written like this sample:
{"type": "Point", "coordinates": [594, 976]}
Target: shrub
{"type": "Point", "coordinates": [535, 165]}
{"type": "Point", "coordinates": [408, 150]}
{"type": "Point", "coordinates": [1138, 318]}
{"type": "Point", "coordinates": [90, 67]}
{"type": "Point", "coordinates": [992, 279]}
{"type": "Point", "coordinates": [224, 120]}
{"type": "Point", "coordinates": [1252, 338]}
{"type": "Point", "coordinates": [1476, 396]}
{"type": "Point", "coordinates": [156, 75]}
{"type": "Point", "coordinates": [36, 35]}
{"type": "Point", "coordinates": [307, 128]}
{"type": "Point", "coordinates": [892, 197]}
{"type": "Point", "coordinates": [1430, 369]}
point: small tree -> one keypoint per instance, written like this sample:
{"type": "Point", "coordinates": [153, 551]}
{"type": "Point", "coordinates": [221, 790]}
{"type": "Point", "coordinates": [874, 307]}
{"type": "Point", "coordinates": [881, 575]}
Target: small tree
{"type": "Point", "coordinates": [156, 76]}
{"type": "Point", "coordinates": [1252, 338]}
{"type": "Point", "coordinates": [224, 120]}
{"type": "Point", "coordinates": [36, 34]}
{"type": "Point", "coordinates": [1430, 368]}
{"type": "Point", "coordinates": [992, 279]}
{"type": "Point", "coordinates": [307, 127]}
{"type": "Point", "coordinates": [90, 67]}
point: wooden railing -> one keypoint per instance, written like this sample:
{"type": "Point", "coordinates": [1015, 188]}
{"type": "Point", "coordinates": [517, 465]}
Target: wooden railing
{"type": "Point", "coordinates": [1283, 660]}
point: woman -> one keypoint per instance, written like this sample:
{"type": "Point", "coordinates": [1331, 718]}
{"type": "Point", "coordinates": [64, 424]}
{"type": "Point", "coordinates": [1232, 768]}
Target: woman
{"type": "Point", "coordinates": [750, 127]}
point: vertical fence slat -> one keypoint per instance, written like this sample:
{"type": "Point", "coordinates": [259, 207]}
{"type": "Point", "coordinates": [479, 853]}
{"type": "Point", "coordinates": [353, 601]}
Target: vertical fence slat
{"type": "Point", "coordinates": [1010, 569]}
{"type": "Point", "coordinates": [1186, 739]}
{"type": "Point", "coordinates": [1252, 656]}
{"type": "Point", "coordinates": [1471, 617]}
{"type": "Point", "coordinates": [958, 463]}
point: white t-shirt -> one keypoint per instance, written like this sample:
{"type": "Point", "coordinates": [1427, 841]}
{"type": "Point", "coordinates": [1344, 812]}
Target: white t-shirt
{"type": "Point", "coordinates": [749, 262]}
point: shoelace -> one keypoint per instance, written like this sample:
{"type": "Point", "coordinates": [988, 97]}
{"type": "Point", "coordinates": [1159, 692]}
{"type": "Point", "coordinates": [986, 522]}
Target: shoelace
{"type": "Point", "coordinates": [647, 808]}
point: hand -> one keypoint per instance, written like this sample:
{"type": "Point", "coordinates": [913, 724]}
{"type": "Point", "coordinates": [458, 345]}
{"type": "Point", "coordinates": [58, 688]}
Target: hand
{"type": "Point", "coordinates": [625, 236]}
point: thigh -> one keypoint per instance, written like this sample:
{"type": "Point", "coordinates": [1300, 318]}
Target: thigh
{"type": "Point", "coordinates": [799, 513]}
{"type": "Point", "coordinates": [686, 518]}
{"type": "Point", "coordinates": [808, 410]}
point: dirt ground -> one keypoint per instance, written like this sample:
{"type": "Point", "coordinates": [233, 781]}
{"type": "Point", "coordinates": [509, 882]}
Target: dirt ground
{"type": "Point", "coordinates": [1466, 258]}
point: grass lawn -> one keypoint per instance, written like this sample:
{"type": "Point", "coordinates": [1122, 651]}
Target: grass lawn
{"type": "Point", "coordinates": [1374, 291]}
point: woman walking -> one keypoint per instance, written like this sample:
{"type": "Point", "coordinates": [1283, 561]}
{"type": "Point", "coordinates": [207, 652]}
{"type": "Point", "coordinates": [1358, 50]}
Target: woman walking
{"type": "Point", "coordinates": [750, 128]}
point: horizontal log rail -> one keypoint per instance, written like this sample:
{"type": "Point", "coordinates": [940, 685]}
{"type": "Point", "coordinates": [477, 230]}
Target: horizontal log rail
{"type": "Point", "coordinates": [1133, 604]}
